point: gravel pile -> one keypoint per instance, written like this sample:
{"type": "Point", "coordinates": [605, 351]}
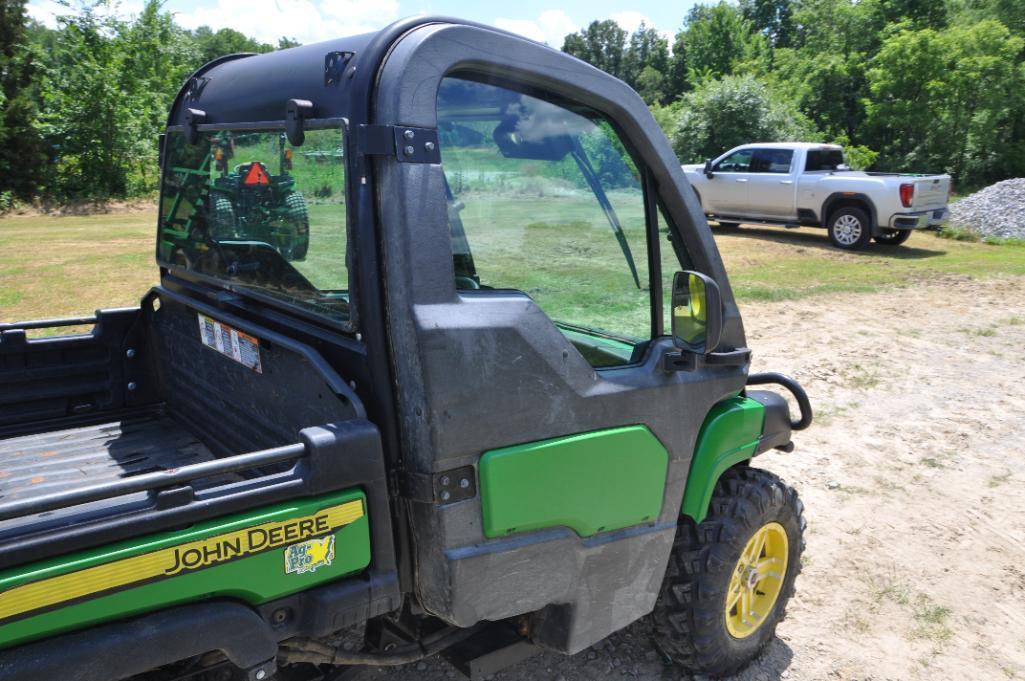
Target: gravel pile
{"type": "Point", "coordinates": [997, 210]}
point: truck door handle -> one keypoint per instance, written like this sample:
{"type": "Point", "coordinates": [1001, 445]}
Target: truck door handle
{"type": "Point", "coordinates": [786, 181]}
{"type": "Point", "coordinates": [741, 179]}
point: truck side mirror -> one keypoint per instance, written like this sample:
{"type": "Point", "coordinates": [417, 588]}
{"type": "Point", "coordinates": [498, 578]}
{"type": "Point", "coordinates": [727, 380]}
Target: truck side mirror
{"type": "Point", "coordinates": [708, 169]}
{"type": "Point", "coordinates": [697, 312]}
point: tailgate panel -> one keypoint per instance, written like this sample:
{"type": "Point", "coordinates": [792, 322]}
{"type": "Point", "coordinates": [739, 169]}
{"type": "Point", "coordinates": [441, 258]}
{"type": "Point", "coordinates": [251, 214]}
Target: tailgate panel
{"type": "Point", "coordinates": [931, 193]}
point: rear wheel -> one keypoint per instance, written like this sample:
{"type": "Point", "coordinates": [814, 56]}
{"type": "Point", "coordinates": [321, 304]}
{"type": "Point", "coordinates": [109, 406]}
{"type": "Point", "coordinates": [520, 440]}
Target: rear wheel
{"type": "Point", "coordinates": [893, 237]}
{"type": "Point", "coordinates": [730, 577]}
{"type": "Point", "coordinates": [298, 221]}
{"type": "Point", "coordinates": [222, 217]}
{"type": "Point", "coordinates": [850, 228]}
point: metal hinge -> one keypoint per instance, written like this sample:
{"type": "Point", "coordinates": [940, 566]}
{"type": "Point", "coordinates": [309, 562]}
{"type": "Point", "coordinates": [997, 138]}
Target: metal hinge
{"type": "Point", "coordinates": [405, 143]}
{"type": "Point", "coordinates": [442, 488]}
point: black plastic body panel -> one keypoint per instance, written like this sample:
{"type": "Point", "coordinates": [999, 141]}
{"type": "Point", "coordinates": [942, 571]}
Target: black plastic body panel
{"type": "Point", "coordinates": [66, 376]}
{"type": "Point", "coordinates": [776, 431]}
{"type": "Point", "coordinates": [122, 649]}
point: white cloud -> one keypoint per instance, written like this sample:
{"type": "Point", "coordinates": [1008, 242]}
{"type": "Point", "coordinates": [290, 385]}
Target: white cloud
{"type": "Point", "coordinates": [630, 20]}
{"type": "Point", "coordinates": [47, 11]}
{"type": "Point", "coordinates": [305, 20]}
{"type": "Point", "coordinates": [551, 27]}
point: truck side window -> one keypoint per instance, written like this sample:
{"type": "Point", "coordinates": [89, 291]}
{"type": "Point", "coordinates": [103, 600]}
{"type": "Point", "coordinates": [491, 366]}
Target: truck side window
{"type": "Point", "coordinates": [772, 160]}
{"type": "Point", "coordinates": [545, 199]}
{"type": "Point", "coordinates": [737, 162]}
{"type": "Point", "coordinates": [823, 159]}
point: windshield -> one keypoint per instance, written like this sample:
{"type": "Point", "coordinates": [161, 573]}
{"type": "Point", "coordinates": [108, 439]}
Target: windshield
{"type": "Point", "coordinates": [250, 209]}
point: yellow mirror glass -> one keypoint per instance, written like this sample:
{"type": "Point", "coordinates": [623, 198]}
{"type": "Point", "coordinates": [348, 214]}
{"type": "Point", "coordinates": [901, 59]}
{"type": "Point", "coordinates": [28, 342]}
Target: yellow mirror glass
{"type": "Point", "coordinates": [690, 310]}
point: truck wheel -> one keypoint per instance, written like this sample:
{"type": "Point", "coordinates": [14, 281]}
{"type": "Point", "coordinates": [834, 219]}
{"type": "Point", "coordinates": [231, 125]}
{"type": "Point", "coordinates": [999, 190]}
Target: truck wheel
{"type": "Point", "coordinates": [729, 578]}
{"type": "Point", "coordinates": [893, 237]}
{"type": "Point", "coordinates": [299, 226]}
{"type": "Point", "coordinates": [850, 228]}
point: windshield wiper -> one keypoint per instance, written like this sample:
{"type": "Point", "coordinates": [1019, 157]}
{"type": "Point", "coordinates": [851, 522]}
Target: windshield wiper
{"type": "Point", "coordinates": [603, 200]}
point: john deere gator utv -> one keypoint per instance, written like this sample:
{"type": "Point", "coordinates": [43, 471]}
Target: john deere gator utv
{"type": "Point", "coordinates": [502, 405]}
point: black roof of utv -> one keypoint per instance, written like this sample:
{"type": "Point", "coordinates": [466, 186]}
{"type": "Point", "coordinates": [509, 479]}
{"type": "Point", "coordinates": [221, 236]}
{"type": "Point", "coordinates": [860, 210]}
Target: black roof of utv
{"type": "Point", "coordinates": [335, 75]}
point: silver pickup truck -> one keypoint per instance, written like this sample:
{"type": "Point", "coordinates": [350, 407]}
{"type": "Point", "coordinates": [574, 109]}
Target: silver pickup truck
{"type": "Point", "coordinates": [804, 184]}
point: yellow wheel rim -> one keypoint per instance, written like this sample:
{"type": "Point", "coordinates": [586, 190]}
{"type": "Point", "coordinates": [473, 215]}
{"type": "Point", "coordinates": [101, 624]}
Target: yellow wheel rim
{"type": "Point", "coordinates": [757, 580]}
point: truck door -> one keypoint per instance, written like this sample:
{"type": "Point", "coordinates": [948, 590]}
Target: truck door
{"type": "Point", "coordinates": [726, 193]}
{"type": "Point", "coordinates": [525, 277]}
{"type": "Point", "coordinates": [771, 191]}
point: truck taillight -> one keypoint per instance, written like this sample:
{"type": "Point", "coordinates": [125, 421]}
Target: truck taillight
{"type": "Point", "coordinates": [950, 190]}
{"type": "Point", "coordinates": [907, 193]}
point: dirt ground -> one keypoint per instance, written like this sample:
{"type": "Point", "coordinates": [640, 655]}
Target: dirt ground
{"type": "Point", "coordinates": [911, 479]}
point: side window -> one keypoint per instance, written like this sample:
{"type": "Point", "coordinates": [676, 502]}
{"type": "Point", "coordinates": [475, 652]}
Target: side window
{"type": "Point", "coordinates": [738, 162]}
{"type": "Point", "coordinates": [771, 160]}
{"type": "Point", "coordinates": [545, 199]}
{"type": "Point", "coordinates": [823, 159]}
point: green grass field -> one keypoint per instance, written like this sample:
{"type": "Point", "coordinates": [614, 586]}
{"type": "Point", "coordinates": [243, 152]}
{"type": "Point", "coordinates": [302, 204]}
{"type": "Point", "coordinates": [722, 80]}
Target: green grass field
{"type": "Point", "coordinates": [63, 266]}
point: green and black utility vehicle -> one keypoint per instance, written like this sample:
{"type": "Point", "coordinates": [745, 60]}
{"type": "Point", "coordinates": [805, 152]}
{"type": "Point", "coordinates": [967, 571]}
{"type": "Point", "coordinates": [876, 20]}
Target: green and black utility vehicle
{"type": "Point", "coordinates": [496, 401]}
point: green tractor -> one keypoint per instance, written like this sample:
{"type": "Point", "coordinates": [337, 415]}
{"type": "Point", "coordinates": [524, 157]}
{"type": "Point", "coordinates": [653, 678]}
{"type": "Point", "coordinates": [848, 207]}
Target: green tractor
{"type": "Point", "coordinates": [249, 202]}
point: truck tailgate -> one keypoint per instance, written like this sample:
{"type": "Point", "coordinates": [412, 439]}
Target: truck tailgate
{"type": "Point", "coordinates": [931, 192]}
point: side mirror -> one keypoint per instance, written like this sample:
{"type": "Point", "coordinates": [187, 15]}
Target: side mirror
{"type": "Point", "coordinates": [708, 169]}
{"type": "Point", "coordinates": [697, 313]}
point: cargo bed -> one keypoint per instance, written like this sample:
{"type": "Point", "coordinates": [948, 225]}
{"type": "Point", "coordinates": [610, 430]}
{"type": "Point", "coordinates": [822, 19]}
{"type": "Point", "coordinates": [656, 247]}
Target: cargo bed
{"type": "Point", "coordinates": [63, 460]}
{"type": "Point", "coordinates": [140, 426]}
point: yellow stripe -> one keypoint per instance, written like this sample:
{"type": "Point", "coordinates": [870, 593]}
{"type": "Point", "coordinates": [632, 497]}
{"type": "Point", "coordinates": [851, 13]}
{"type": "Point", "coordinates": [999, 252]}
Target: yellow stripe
{"type": "Point", "coordinates": [71, 586]}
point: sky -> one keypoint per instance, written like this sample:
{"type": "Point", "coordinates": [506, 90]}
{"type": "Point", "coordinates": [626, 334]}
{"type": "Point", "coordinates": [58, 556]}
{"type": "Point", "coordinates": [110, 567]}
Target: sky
{"type": "Point", "coordinates": [310, 21]}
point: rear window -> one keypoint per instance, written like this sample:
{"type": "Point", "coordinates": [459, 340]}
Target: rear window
{"type": "Point", "coordinates": [248, 208]}
{"type": "Point", "coordinates": [824, 159]}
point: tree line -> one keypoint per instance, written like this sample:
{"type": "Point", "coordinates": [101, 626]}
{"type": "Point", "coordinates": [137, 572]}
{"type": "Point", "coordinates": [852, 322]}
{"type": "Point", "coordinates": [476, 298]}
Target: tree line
{"type": "Point", "coordinates": [907, 85]}
{"type": "Point", "coordinates": [81, 104]}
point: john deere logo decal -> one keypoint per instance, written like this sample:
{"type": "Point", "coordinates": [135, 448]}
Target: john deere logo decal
{"type": "Point", "coordinates": [308, 541]}
{"type": "Point", "coordinates": [309, 555]}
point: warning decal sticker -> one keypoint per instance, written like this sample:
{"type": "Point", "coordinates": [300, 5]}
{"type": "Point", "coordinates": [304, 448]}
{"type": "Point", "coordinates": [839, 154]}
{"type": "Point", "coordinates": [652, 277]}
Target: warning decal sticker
{"type": "Point", "coordinates": [230, 342]}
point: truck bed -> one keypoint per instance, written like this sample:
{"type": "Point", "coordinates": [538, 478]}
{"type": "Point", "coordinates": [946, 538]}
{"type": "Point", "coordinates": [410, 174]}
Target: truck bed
{"type": "Point", "coordinates": [63, 460]}
{"type": "Point", "coordinates": [138, 426]}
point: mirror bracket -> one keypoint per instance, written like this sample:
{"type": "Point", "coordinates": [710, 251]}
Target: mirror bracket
{"type": "Point", "coordinates": [730, 358]}
{"type": "Point", "coordinates": [689, 361]}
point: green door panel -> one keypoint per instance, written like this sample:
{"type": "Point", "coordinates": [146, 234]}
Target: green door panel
{"type": "Point", "coordinates": [254, 557]}
{"type": "Point", "coordinates": [728, 436]}
{"type": "Point", "coordinates": [591, 482]}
